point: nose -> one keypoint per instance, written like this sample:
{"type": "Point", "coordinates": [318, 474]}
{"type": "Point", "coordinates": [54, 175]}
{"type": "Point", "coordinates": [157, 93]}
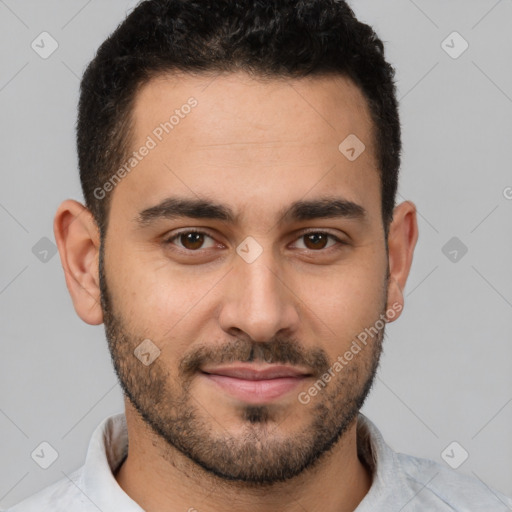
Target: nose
{"type": "Point", "coordinates": [258, 300]}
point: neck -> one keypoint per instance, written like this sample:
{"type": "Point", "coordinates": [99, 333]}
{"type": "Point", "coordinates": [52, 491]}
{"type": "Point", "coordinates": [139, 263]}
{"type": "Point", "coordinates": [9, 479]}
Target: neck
{"type": "Point", "coordinates": [160, 478]}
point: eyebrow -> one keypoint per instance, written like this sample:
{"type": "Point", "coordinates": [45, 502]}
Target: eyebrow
{"type": "Point", "coordinates": [180, 207]}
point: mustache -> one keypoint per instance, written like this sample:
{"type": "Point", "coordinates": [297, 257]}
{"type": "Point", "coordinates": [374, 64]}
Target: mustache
{"type": "Point", "coordinates": [279, 350]}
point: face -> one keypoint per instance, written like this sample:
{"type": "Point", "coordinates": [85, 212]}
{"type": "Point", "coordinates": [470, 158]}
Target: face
{"type": "Point", "coordinates": [244, 260]}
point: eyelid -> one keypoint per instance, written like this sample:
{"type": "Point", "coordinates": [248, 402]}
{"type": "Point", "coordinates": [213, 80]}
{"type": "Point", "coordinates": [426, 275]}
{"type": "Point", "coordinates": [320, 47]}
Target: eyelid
{"type": "Point", "coordinates": [324, 231]}
{"type": "Point", "coordinates": [174, 236]}
{"type": "Point", "coordinates": [336, 238]}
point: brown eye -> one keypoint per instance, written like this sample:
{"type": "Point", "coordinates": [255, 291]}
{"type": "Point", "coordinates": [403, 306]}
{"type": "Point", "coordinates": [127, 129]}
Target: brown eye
{"type": "Point", "coordinates": [318, 240]}
{"type": "Point", "coordinates": [315, 240]}
{"type": "Point", "coordinates": [191, 240]}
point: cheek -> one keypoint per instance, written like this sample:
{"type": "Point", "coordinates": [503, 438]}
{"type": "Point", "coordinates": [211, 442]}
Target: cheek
{"type": "Point", "coordinates": [159, 301]}
{"type": "Point", "coordinates": [347, 300]}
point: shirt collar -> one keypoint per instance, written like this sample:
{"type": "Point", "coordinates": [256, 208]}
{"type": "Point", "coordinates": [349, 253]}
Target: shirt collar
{"type": "Point", "coordinates": [388, 477]}
{"type": "Point", "coordinates": [107, 450]}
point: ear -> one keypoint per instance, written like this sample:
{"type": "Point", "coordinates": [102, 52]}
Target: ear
{"type": "Point", "coordinates": [403, 234]}
{"type": "Point", "coordinates": [78, 240]}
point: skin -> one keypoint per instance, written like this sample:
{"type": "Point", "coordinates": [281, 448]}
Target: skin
{"type": "Point", "coordinates": [256, 147]}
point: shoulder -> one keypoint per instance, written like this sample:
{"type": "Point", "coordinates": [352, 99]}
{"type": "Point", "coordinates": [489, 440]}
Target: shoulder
{"type": "Point", "coordinates": [456, 490]}
{"type": "Point", "coordinates": [61, 496]}
{"type": "Point", "coordinates": [405, 482]}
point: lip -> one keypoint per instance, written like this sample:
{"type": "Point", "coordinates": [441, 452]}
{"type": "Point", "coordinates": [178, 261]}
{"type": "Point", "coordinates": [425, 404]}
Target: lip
{"type": "Point", "coordinates": [256, 384]}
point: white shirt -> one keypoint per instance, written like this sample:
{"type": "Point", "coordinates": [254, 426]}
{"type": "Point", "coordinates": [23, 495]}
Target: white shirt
{"type": "Point", "coordinates": [401, 483]}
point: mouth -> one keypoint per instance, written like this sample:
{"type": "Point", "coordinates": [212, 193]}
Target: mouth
{"type": "Point", "coordinates": [256, 384]}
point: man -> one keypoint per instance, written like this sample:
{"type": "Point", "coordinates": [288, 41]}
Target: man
{"type": "Point", "coordinates": [241, 244]}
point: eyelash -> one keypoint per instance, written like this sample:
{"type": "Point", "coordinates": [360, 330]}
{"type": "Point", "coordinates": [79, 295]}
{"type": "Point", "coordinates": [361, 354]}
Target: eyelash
{"type": "Point", "coordinates": [170, 240]}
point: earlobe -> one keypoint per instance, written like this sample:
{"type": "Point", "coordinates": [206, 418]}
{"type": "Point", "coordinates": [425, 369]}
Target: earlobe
{"type": "Point", "coordinates": [78, 241]}
{"type": "Point", "coordinates": [403, 235]}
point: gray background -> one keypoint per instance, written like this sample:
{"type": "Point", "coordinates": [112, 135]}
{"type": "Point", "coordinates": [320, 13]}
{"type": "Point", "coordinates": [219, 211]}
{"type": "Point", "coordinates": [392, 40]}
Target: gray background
{"type": "Point", "coordinates": [446, 372]}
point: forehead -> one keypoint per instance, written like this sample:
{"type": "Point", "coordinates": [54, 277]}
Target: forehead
{"type": "Point", "coordinates": [251, 109]}
{"type": "Point", "coordinates": [259, 138]}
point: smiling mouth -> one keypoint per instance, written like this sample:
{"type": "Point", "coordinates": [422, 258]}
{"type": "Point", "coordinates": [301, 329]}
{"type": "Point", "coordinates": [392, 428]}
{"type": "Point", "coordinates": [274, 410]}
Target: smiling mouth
{"type": "Point", "coordinates": [255, 384]}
